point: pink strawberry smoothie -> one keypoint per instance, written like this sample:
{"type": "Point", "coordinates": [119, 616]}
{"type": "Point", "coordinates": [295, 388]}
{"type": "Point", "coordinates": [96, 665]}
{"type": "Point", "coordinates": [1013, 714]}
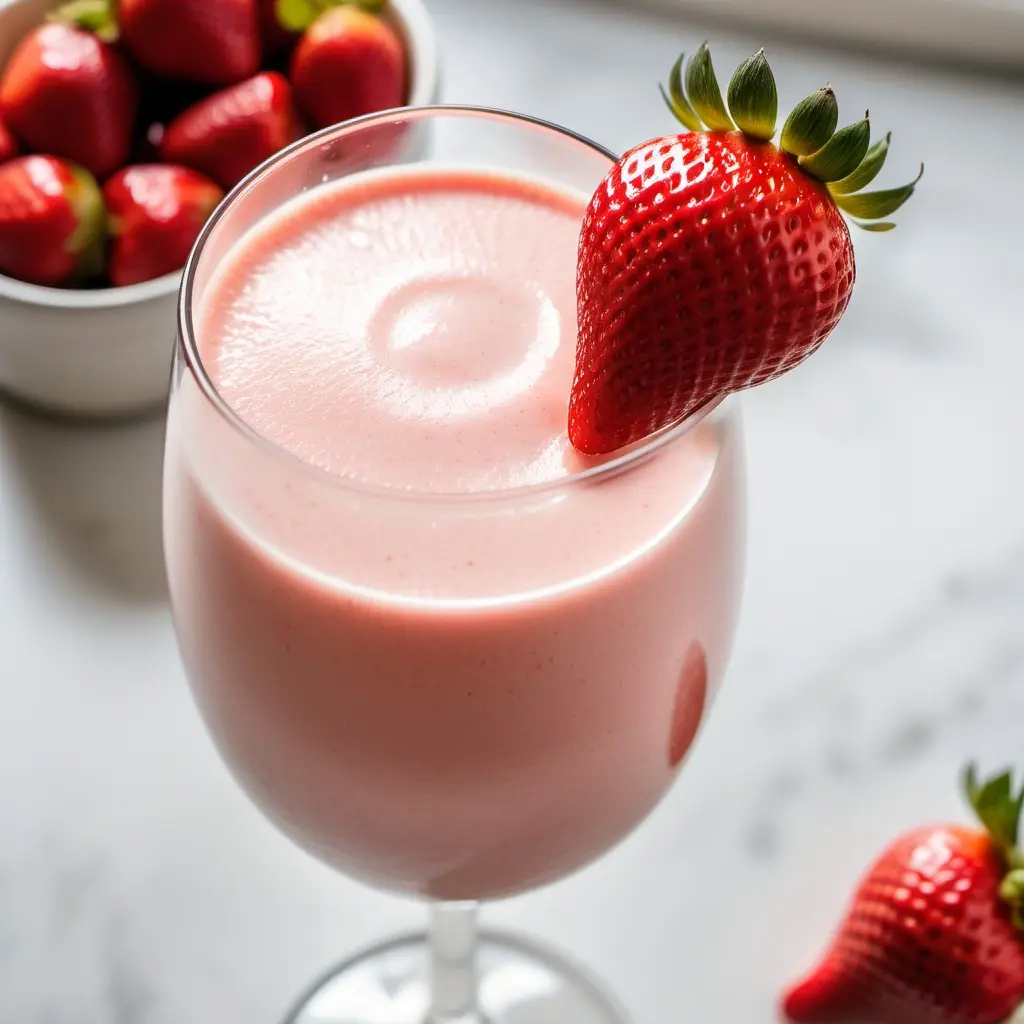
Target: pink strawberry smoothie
{"type": "Point", "coordinates": [432, 649]}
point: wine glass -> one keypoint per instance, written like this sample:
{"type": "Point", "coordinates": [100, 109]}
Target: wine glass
{"type": "Point", "coordinates": [505, 706]}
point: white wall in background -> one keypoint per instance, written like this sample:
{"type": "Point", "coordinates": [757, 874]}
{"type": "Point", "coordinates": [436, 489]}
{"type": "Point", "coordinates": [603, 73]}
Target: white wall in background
{"type": "Point", "coordinates": [989, 31]}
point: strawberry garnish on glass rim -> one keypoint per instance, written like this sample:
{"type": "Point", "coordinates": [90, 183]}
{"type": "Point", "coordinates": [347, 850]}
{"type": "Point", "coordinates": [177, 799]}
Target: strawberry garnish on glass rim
{"type": "Point", "coordinates": [935, 931]}
{"type": "Point", "coordinates": [713, 260]}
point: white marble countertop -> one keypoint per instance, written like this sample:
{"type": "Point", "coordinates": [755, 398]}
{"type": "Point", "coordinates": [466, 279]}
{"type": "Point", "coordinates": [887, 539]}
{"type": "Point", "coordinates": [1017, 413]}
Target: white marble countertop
{"type": "Point", "coordinates": [881, 641]}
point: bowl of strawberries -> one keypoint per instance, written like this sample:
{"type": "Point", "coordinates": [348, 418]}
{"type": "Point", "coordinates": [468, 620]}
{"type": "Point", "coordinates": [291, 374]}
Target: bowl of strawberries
{"type": "Point", "coordinates": [123, 123]}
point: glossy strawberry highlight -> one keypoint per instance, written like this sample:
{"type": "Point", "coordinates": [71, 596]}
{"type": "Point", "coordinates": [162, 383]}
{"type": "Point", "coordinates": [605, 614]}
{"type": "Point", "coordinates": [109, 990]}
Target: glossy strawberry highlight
{"type": "Point", "coordinates": [52, 221]}
{"type": "Point", "coordinates": [67, 93]}
{"type": "Point", "coordinates": [156, 213]}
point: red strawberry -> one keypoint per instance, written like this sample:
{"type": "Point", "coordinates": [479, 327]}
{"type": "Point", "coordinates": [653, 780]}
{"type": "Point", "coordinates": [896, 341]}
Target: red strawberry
{"type": "Point", "coordinates": [156, 214]}
{"type": "Point", "coordinates": [348, 63]}
{"type": "Point", "coordinates": [51, 221]}
{"type": "Point", "coordinates": [212, 41]}
{"type": "Point", "coordinates": [9, 148]}
{"type": "Point", "coordinates": [228, 134]}
{"type": "Point", "coordinates": [935, 934]}
{"type": "Point", "coordinates": [66, 92]}
{"type": "Point", "coordinates": [712, 261]}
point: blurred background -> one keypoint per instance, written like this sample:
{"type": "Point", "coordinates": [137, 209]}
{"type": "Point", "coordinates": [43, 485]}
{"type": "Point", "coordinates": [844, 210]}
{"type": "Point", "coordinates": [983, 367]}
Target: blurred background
{"type": "Point", "coordinates": [881, 642]}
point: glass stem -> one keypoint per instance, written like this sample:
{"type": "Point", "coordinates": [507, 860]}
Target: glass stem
{"type": "Point", "coordinates": [453, 977]}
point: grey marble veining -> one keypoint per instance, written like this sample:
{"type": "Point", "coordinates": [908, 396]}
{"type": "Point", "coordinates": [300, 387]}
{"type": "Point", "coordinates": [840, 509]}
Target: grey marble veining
{"type": "Point", "coordinates": [882, 640]}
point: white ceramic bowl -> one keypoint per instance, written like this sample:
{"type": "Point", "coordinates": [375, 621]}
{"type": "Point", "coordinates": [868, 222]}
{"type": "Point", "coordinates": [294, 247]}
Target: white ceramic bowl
{"type": "Point", "coordinates": [107, 354]}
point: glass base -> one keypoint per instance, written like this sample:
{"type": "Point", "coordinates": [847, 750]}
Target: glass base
{"type": "Point", "coordinates": [519, 983]}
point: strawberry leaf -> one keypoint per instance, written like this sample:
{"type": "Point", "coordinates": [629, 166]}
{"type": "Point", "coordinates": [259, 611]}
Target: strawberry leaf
{"type": "Point", "coordinates": [841, 155]}
{"type": "Point", "coordinates": [297, 15]}
{"type": "Point", "coordinates": [811, 124]}
{"type": "Point", "coordinates": [753, 98]}
{"type": "Point", "coordinates": [96, 16]}
{"type": "Point", "coordinates": [874, 205]}
{"type": "Point", "coordinates": [705, 93]}
{"type": "Point", "coordinates": [866, 172]}
{"type": "Point", "coordinates": [998, 808]}
{"type": "Point", "coordinates": [1011, 891]}
{"type": "Point", "coordinates": [86, 201]}
{"type": "Point", "coordinates": [676, 99]}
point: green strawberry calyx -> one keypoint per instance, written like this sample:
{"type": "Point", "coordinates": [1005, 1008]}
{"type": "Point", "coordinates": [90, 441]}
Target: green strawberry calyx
{"type": "Point", "coordinates": [88, 241]}
{"type": "Point", "coordinates": [96, 16]}
{"type": "Point", "coordinates": [844, 161]}
{"type": "Point", "coordinates": [998, 807]}
{"type": "Point", "coordinates": [298, 15]}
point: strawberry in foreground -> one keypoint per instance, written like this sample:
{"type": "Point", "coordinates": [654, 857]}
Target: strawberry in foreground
{"type": "Point", "coordinates": [712, 260]}
{"type": "Point", "coordinates": [212, 41]}
{"type": "Point", "coordinates": [67, 93]}
{"type": "Point", "coordinates": [51, 221]}
{"type": "Point", "coordinates": [348, 63]}
{"type": "Point", "coordinates": [228, 134]}
{"type": "Point", "coordinates": [935, 932]}
{"type": "Point", "coordinates": [9, 147]}
{"type": "Point", "coordinates": [155, 215]}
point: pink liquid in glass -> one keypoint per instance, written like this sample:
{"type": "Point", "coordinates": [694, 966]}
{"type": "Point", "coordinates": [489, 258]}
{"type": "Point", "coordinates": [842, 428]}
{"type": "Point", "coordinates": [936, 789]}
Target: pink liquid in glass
{"type": "Point", "coordinates": [435, 656]}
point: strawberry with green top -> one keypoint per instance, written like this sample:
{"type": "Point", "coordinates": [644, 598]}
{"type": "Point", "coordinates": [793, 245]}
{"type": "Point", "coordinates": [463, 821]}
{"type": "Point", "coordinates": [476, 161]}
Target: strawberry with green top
{"type": "Point", "coordinates": [935, 931]}
{"type": "Point", "coordinates": [349, 62]}
{"type": "Point", "coordinates": [69, 94]}
{"type": "Point", "coordinates": [714, 260]}
{"type": "Point", "coordinates": [52, 221]}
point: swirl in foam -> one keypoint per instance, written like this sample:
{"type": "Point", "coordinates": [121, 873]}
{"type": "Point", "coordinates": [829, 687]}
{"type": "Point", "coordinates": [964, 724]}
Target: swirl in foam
{"type": "Point", "coordinates": [396, 312]}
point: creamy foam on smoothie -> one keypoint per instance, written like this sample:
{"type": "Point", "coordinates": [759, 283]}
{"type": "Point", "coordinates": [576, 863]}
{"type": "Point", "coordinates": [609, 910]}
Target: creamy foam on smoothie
{"type": "Point", "coordinates": [428, 306]}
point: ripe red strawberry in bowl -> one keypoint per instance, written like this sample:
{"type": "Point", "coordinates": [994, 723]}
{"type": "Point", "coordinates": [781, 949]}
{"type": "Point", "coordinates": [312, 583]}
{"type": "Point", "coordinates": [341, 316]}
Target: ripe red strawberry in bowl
{"type": "Point", "coordinates": [713, 260]}
{"type": "Point", "coordinates": [9, 147]}
{"type": "Point", "coordinates": [51, 221]}
{"type": "Point", "coordinates": [935, 930]}
{"type": "Point", "coordinates": [155, 214]}
{"type": "Point", "coordinates": [68, 93]}
{"type": "Point", "coordinates": [212, 41]}
{"type": "Point", "coordinates": [349, 62]}
{"type": "Point", "coordinates": [228, 134]}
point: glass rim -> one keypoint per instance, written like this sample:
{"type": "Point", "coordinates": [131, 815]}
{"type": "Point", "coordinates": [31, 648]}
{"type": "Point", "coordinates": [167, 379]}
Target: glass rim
{"type": "Point", "coordinates": [187, 345]}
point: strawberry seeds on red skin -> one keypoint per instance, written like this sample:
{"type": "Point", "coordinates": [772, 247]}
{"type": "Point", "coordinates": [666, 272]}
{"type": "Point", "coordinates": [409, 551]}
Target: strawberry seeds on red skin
{"type": "Point", "coordinates": [66, 93]}
{"type": "Point", "coordinates": [930, 937]}
{"type": "Point", "coordinates": [711, 261]}
{"type": "Point", "coordinates": [348, 63]}
{"type": "Point", "coordinates": [216, 42]}
{"type": "Point", "coordinates": [9, 147]}
{"type": "Point", "coordinates": [228, 134]}
{"type": "Point", "coordinates": [155, 214]}
{"type": "Point", "coordinates": [51, 220]}
{"type": "Point", "coordinates": [708, 263]}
